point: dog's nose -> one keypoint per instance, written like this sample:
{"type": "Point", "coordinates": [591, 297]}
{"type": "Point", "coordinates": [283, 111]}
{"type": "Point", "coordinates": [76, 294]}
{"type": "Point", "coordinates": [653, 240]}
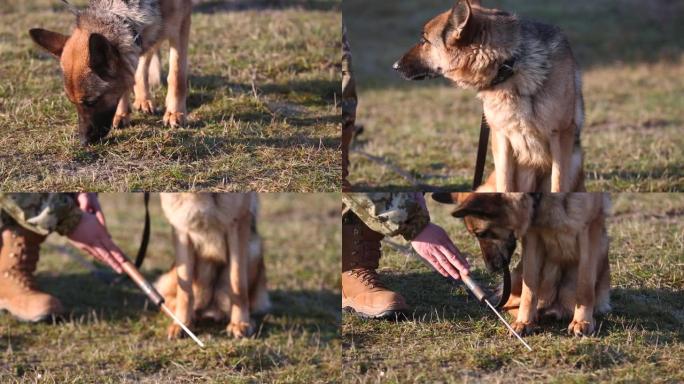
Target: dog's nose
{"type": "Point", "coordinates": [396, 66]}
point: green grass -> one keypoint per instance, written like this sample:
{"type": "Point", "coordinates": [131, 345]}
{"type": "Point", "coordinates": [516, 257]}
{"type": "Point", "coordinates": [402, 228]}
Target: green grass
{"type": "Point", "coordinates": [264, 79]}
{"type": "Point", "coordinates": [452, 338]}
{"type": "Point", "coordinates": [112, 335]}
{"type": "Point", "coordinates": [631, 55]}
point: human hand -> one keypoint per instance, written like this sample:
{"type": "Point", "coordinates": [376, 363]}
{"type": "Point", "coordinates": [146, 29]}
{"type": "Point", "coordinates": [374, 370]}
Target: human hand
{"type": "Point", "coordinates": [88, 202]}
{"type": "Point", "coordinates": [434, 245]}
{"type": "Point", "coordinates": [91, 236]}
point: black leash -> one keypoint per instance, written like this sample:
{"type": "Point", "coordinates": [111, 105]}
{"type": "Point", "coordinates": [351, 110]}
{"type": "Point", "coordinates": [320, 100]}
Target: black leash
{"type": "Point", "coordinates": [481, 153]}
{"type": "Point", "coordinates": [142, 250]}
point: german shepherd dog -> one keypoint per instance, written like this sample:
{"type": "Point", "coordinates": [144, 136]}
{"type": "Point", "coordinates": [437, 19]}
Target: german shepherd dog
{"type": "Point", "coordinates": [563, 271]}
{"type": "Point", "coordinates": [109, 52]}
{"type": "Point", "coordinates": [219, 271]}
{"type": "Point", "coordinates": [529, 83]}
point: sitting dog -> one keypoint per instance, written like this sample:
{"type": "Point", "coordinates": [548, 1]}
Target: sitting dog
{"type": "Point", "coordinates": [564, 268]}
{"type": "Point", "coordinates": [219, 271]}
{"type": "Point", "coordinates": [529, 83]}
{"type": "Point", "coordinates": [109, 53]}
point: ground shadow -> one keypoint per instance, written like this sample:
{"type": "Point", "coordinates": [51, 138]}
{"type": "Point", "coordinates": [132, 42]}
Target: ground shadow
{"type": "Point", "coordinates": [434, 298]}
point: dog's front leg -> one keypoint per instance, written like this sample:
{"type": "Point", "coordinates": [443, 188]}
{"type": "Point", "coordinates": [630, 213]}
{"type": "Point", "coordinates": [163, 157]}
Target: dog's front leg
{"type": "Point", "coordinates": [583, 319]}
{"type": "Point", "coordinates": [178, 82]}
{"type": "Point", "coordinates": [532, 265]}
{"type": "Point", "coordinates": [238, 240]}
{"type": "Point", "coordinates": [558, 166]}
{"type": "Point", "coordinates": [143, 99]}
{"type": "Point", "coordinates": [503, 162]}
{"type": "Point", "coordinates": [122, 117]}
{"type": "Point", "coordinates": [185, 266]}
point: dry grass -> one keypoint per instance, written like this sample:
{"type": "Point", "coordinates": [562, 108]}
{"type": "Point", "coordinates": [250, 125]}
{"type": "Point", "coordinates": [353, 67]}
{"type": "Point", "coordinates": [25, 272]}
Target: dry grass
{"type": "Point", "coordinates": [112, 335]}
{"type": "Point", "coordinates": [631, 55]}
{"type": "Point", "coordinates": [264, 78]}
{"type": "Point", "coordinates": [453, 339]}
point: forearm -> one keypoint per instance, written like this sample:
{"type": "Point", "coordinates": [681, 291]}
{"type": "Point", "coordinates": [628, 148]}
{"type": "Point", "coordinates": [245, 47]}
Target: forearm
{"type": "Point", "coordinates": [391, 214]}
{"type": "Point", "coordinates": [42, 213]}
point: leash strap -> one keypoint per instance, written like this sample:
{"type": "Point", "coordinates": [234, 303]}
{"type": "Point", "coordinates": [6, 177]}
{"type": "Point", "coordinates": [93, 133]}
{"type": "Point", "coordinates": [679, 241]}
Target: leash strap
{"type": "Point", "coordinates": [481, 153]}
{"type": "Point", "coordinates": [146, 234]}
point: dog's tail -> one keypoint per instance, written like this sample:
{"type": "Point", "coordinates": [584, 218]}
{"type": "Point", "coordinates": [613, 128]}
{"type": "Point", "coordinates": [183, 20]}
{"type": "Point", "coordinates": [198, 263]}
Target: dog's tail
{"type": "Point", "coordinates": [154, 73]}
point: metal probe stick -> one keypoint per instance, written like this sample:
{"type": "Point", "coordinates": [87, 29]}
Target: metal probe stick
{"type": "Point", "coordinates": [154, 296]}
{"type": "Point", "coordinates": [482, 297]}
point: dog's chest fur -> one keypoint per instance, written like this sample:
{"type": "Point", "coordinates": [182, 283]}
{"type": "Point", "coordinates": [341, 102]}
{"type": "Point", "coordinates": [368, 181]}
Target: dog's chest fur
{"type": "Point", "coordinates": [560, 219]}
{"type": "Point", "coordinates": [207, 219]}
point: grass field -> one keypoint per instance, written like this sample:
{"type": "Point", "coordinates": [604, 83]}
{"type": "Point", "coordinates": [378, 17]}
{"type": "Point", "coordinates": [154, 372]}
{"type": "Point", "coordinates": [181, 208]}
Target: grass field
{"type": "Point", "coordinates": [631, 55]}
{"type": "Point", "coordinates": [264, 78]}
{"type": "Point", "coordinates": [451, 338]}
{"type": "Point", "coordinates": [112, 335]}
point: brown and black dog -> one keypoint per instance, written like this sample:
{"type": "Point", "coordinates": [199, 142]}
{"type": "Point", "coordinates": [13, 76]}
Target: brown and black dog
{"type": "Point", "coordinates": [109, 53]}
{"type": "Point", "coordinates": [219, 271]}
{"type": "Point", "coordinates": [529, 83]}
{"type": "Point", "coordinates": [563, 271]}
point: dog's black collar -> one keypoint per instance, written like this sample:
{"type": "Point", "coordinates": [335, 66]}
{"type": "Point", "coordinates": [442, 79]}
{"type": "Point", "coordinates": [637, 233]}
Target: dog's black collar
{"type": "Point", "coordinates": [505, 72]}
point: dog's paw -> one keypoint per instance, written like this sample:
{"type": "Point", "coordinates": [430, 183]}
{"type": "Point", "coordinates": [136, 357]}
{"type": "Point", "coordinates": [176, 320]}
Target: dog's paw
{"type": "Point", "coordinates": [174, 331]}
{"type": "Point", "coordinates": [581, 328]}
{"type": "Point", "coordinates": [174, 119]}
{"type": "Point", "coordinates": [144, 106]}
{"type": "Point", "coordinates": [523, 329]}
{"type": "Point", "coordinates": [121, 120]}
{"type": "Point", "coordinates": [240, 329]}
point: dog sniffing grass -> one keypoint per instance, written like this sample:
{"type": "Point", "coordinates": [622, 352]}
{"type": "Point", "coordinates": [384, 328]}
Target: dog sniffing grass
{"type": "Point", "coordinates": [452, 338]}
{"type": "Point", "coordinates": [110, 336]}
{"type": "Point", "coordinates": [633, 75]}
{"type": "Point", "coordinates": [263, 80]}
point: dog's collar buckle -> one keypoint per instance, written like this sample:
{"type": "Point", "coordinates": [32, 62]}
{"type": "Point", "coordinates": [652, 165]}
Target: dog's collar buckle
{"type": "Point", "coordinates": [505, 72]}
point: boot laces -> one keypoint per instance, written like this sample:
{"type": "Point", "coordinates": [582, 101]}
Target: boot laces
{"type": "Point", "coordinates": [368, 277]}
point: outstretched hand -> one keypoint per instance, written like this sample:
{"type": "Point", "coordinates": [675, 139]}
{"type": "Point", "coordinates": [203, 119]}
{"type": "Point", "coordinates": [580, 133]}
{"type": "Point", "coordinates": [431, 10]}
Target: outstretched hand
{"type": "Point", "coordinates": [434, 245]}
{"type": "Point", "coordinates": [92, 237]}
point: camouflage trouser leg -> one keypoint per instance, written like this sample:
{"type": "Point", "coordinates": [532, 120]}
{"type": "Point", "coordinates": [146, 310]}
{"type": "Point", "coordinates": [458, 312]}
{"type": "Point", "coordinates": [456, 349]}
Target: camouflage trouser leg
{"type": "Point", "coordinates": [349, 102]}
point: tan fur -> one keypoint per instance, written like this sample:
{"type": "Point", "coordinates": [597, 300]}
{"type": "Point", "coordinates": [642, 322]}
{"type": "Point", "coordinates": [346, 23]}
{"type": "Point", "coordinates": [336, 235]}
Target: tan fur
{"type": "Point", "coordinates": [564, 269]}
{"type": "Point", "coordinates": [100, 88]}
{"type": "Point", "coordinates": [219, 271]}
{"type": "Point", "coordinates": [536, 115]}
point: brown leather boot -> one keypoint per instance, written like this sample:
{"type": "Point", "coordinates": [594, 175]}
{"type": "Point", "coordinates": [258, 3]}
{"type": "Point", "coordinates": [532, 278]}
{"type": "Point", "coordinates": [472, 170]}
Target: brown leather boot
{"type": "Point", "coordinates": [19, 253]}
{"type": "Point", "coordinates": [362, 291]}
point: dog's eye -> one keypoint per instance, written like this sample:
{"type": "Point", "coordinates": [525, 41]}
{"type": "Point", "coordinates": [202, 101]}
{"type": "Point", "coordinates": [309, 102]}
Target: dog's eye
{"type": "Point", "coordinates": [483, 235]}
{"type": "Point", "coordinates": [423, 40]}
{"type": "Point", "coordinates": [89, 103]}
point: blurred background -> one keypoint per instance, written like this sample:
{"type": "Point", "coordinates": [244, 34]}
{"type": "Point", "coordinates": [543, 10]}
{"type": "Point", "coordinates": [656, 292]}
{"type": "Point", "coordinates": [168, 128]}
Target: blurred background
{"type": "Point", "coordinates": [630, 52]}
{"type": "Point", "coordinates": [111, 333]}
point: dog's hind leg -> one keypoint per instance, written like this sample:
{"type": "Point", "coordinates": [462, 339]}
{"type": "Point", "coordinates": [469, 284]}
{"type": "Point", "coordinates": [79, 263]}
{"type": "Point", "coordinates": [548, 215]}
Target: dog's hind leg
{"type": "Point", "coordinates": [185, 265]}
{"type": "Point", "coordinates": [143, 99]}
{"type": "Point", "coordinates": [177, 79]}
{"type": "Point", "coordinates": [122, 117]}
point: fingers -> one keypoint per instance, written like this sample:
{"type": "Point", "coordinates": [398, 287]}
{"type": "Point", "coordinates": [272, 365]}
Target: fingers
{"type": "Point", "coordinates": [102, 253]}
{"type": "Point", "coordinates": [455, 258]}
{"type": "Point", "coordinates": [100, 217]}
{"type": "Point", "coordinates": [441, 255]}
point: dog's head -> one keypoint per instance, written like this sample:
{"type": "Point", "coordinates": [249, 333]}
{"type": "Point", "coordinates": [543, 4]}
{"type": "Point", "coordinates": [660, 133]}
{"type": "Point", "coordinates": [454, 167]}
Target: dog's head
{"type": "Point", "coordinates": [492, 219]}
{"type": "Point", "coordinates": [451, 46]}
{"type": "Point", "coordinates": [95, 77]}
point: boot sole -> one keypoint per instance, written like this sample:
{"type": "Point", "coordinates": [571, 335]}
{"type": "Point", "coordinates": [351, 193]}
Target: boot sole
{"type": "Point", "coordinates": [390, 314]}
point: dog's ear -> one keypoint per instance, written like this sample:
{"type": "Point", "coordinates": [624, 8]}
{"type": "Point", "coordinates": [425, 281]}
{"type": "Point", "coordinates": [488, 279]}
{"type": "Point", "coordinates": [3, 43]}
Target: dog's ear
{"type": "Point", "coordinates": [459, 18]}
{"type": "Point", "coordinates": [482, 205]}
{"type": "Point", "coordinates": [103, 56]}
{"type": "Point", "coordinates": [53, 42]}
{"type": "Point", "coordinates": [448, 198]}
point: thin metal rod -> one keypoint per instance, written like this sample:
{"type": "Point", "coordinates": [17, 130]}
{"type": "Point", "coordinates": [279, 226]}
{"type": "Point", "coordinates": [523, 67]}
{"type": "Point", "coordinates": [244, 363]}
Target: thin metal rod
{"type": "Point", "coordinates": [507, 325]}
{"type": "Point", "coordinates": [189, 332]}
